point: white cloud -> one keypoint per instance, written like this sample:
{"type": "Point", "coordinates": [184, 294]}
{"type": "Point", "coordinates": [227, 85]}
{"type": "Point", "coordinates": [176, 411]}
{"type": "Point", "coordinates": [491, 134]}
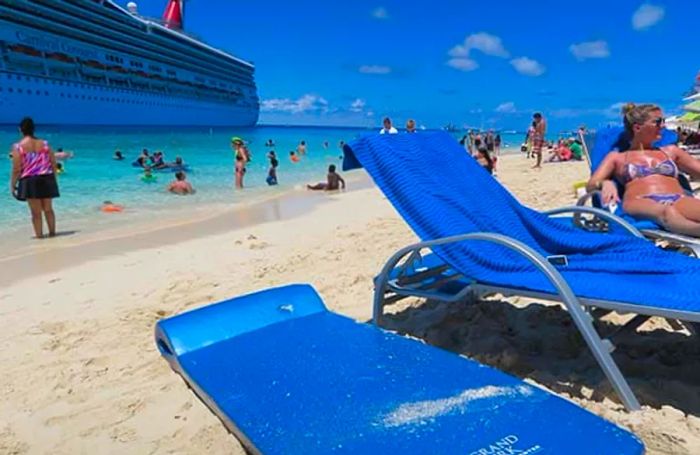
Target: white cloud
{"type": "Point", "coordinates": [374, 69]}
{"type": "Point", "coordinates": [506, 108]}
{"type": "Point", "coordinates": [358, 105]}
{"type": "Point", "coordinates": [590, 49]}
{"type": "Point", "coordinates": [527, 66]}
{"type": "Point", "coordinates": [463, 64]}
{"type": "Point", "coordinates": [484, 42]}
{"type": "Point", "coordinates": [647, 15]}
{"type": "Point", "coordinates": [380, 13]}
{"type": "Point", "coordinates": [305, 104]}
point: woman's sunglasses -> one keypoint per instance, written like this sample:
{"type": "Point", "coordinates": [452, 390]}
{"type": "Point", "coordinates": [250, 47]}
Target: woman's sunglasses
{"type": "Point", "coordinates": [659, 121]}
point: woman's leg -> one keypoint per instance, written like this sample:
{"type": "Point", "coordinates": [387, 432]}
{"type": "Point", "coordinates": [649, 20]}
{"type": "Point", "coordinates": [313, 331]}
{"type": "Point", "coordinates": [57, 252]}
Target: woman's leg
{"type": "Point", "coordinates": [689, 207]}
{"type": "Point", "coordinates": [35, 209]}
{"type": "Point", "coordinates": [316, 187]}
{"type": "Point", "coordinates": [669, 216]}
{"type": "Point", "coordinates": [47, 208]}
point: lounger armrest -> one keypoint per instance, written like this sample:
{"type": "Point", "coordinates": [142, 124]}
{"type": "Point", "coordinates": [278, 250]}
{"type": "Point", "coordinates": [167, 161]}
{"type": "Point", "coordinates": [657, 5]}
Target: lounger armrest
{"type": "Point", "coordinates": [588, 196]}
{"type": "Point", "coordinates": [578, 210]}
{"type": "Point", "coordinates": [205, 326]}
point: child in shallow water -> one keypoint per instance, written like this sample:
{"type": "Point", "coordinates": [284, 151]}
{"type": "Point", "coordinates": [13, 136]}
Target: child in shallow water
{"type": "Point", "coordinates": [148, 176]}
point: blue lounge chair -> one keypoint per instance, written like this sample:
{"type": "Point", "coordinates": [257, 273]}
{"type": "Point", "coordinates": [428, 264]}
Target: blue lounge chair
{"type": "Point", "coordinates": [602, 142]}
{"type": "Point", "coordinates": [286, 376]}
{"type": "Point", "coordinates": [485, 241]}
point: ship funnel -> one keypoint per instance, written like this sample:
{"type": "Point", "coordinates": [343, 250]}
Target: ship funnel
{"type": "Point", "coordinates": [173, 14]}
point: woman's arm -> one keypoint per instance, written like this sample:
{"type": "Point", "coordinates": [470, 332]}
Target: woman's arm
{"type": "Point", "coordinates": [604, 172]}
{"type": "Point", "coordinates": [602, 179]}
{"type": "Point", "coordinates": [16, 170]}
{"type": "Point", "coordinates": [685, 161]}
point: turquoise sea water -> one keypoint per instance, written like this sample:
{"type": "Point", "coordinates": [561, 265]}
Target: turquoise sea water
{"type": "Point", "coordinates": [92, 176]}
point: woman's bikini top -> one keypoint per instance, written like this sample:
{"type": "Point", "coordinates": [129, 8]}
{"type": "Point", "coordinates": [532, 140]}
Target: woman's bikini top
{"type": "Point", "coordinates": [633, 171]}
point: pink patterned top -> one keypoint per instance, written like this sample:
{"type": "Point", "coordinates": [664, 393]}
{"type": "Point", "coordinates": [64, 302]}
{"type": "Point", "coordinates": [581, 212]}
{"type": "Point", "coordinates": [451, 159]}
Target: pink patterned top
{"type": "Point", "coordinates": [35, 163]}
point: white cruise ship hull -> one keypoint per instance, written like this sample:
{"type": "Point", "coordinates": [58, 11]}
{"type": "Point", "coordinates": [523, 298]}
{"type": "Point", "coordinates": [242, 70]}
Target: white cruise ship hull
{"type": "Point", "coordinates": [63, 76]}
{"type": "Point", "coordinates": [49, 103]}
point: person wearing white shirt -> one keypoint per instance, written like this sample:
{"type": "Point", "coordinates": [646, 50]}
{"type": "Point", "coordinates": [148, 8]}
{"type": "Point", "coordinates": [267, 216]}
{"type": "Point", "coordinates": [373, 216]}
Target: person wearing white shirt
{"type": "Point", "coordinates": [388, 128]}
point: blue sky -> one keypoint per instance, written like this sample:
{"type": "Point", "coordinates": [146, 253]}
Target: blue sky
{"type": "Point", "coordinates": [489, 63]}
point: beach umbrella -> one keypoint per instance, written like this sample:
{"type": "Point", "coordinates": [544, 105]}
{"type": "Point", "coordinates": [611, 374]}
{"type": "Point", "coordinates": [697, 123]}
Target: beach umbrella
{"type": "Point", "coordinates": [693, 107]}
{"type": "Point", "coordinates": [690, 117]}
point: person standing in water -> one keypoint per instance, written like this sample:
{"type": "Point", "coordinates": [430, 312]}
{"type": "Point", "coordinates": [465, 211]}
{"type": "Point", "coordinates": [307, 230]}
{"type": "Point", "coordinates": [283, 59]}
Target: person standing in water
{"type": "Point", "coordinates": [272, 171]}
{"type": "Point", "coordinates": [180, 185]}
{"type": "Point", "coordinates": [241, 159]}
{"type": "Point", "coordinates": [301, 148]}
{"type": "Point", "coordinates": [33, 177]}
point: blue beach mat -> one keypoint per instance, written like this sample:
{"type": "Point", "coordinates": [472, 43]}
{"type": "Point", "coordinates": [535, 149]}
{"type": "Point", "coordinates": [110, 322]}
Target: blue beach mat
{"type": "Point", "coordinates": [441, 191]}
{"type": "Point", "coordinates": [287, 376]}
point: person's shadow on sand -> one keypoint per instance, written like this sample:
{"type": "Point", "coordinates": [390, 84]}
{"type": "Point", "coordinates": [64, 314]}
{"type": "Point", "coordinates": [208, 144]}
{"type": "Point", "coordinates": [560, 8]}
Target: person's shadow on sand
{"type": "Point", "coordinates": [59, 234]}
{"type": "Point", "coordinates": [541, 342]}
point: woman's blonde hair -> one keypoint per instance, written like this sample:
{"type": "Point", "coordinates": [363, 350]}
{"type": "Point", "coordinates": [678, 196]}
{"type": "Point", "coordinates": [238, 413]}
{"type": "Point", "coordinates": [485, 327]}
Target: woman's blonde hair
{"type": "Point", "coordinates": [633, 114]}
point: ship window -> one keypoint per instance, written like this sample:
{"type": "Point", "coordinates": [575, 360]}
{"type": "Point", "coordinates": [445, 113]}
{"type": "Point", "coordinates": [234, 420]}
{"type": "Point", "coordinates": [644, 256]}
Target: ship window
{"type": "Point", "coordinates": [10, 90]}
{"type": "Point", "coordinates": [19, 90]}
{"type": "Point", "coordinates": [9, 76]}
{"type": "Point", "coordinates": [46, 93]}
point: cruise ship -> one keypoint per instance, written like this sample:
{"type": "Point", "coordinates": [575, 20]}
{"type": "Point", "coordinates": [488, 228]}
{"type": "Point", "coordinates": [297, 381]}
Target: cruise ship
{"type": "Point", "coordinates": [93, 62]}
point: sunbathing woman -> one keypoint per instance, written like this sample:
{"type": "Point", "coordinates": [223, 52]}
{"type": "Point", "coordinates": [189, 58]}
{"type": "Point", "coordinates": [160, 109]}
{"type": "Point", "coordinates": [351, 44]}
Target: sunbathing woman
{"type": "Point", "coordinates": [650, 175]}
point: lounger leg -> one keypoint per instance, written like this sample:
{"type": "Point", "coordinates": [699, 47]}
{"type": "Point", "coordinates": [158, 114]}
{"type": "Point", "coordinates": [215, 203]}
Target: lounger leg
{"type": "Point", "coordinates": [606, 362]}
{"type": "Point", "coordinates": [380, 283]}
{"type": "Point", "coordinates": [582, 319]}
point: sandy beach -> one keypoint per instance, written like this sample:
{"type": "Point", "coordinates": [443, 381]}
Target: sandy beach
{"type": "Point", "coordinates": [82, 374]}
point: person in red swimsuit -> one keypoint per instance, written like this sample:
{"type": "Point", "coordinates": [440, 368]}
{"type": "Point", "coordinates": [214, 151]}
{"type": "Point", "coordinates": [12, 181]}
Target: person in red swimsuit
{"type": "Point", "coordinates": [33, 177]}
{"type": "Point", "coordinates": [650, 175]}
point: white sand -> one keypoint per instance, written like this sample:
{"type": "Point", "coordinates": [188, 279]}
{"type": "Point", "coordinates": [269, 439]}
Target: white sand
{"type": "Point", "coordinates": [81, 374]}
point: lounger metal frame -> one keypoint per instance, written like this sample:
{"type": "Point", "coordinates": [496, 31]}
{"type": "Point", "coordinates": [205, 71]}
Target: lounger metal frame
{"type": "Point", "coordinates": [390, 288]}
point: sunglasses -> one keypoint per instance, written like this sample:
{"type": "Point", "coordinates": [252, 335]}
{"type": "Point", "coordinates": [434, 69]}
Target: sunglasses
{"type": "Point", "coordinates": [659, 121]}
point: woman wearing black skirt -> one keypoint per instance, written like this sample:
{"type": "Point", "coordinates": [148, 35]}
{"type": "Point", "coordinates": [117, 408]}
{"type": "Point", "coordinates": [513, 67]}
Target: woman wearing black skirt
{"type": "Point", "coordinates": [33, 177]}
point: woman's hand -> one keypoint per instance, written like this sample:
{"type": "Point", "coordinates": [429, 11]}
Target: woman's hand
{"type": "Point", "coordinates": [609, 191]}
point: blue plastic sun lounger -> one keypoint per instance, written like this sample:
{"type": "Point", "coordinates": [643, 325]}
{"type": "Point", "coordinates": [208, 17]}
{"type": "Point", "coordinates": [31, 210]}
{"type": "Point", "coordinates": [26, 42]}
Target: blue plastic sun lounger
{"type": "Point", "coordinates": [286, 376]}
{"type": "Point", "coordinates": [602, 142]}
{"type": "Point", "coordinates": [484, 240]}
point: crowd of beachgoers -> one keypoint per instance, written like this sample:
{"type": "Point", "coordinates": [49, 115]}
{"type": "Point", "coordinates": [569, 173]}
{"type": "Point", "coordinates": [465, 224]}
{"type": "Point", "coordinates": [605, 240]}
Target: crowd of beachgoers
{"type": "Point", "coordinates": [35, 165]}
{"type": "Point", "coordinates": [644, 171]}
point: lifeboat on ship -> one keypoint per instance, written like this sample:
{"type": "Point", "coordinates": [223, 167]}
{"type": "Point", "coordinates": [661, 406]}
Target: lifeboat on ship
{"type": "Point", "coordinates": [139, 78]}
{"type": "Point", "coordinates": [117, 72]}
{"type": "Point", "coordinates": [59, 60]}
{"type": "Point", "coordinates": [156, 80]}
{"type": "Point", "coordinates": [93, 68]}
{"type": "Point", "coordinates": [24, 54]}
